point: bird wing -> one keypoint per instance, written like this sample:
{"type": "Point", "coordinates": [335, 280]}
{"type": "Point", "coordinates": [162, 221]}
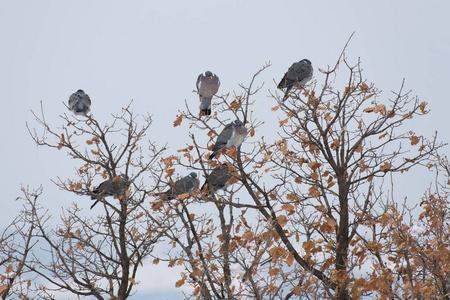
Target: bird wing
{"type": "Point", "coordinates": [224, 137]}
{"type": "Point", "coordinates": [199, 80]}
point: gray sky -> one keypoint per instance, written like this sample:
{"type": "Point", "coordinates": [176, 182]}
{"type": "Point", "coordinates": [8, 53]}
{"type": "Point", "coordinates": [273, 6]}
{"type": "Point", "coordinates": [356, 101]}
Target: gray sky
{"type": "Point", "coordinates": [153, 51]}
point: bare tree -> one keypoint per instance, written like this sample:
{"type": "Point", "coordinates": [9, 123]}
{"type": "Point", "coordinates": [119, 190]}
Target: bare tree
{"type": "Point", "coordinates": [98, 256]}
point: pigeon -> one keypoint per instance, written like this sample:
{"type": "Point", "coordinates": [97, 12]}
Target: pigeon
{"type": "Point", "coordinates": [108, 188]}
{"type": "Point", "coordinates": [80, 103]}
{"type": "Point", "coordinates": [207, 86]}
{"type": "Point", "coordinates": [184, 185]}
{"type": "Point", "coordinates": [232, 135]}
{"type": "Point", "coordinates": [218, 179]}
{"type": "Point", "coordinates": [298, 74]}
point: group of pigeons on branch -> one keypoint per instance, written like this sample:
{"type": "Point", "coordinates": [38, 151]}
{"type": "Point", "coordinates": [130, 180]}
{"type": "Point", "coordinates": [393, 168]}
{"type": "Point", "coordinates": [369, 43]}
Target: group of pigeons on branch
{"type": "Point", "coordinates": [231, 136]}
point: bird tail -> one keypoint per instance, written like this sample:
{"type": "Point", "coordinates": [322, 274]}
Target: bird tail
{"type": "Point", "coordinates": [287, 93]}
{"type": "Point", "coordinates": [96, 201]}
{"type": "Point", "coordinates": [205, 106]}
{"type": "Point", "coordinates": [212, 155]}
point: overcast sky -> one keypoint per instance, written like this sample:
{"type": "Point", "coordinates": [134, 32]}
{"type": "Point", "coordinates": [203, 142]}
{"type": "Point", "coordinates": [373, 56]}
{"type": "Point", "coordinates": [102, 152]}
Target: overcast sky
{"type": "Point", "coordinates": [153, 51]}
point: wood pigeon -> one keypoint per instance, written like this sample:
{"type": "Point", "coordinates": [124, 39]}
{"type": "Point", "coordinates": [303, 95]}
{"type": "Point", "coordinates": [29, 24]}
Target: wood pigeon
{"type": "Point", "coordinates": [232, 135]}
{"type": "Point", "coordinates": [218, 179]}
{"type": "Point", "coordinates": [298, 74]}
{"type": "Point", "coordinates": [184, 185]}
{"type": "Point", "coordinates": [207, 86]}
{"type": "Point", "coordinates": [80, 103]}
{"type": "Point", "coordinates": [109, 187]}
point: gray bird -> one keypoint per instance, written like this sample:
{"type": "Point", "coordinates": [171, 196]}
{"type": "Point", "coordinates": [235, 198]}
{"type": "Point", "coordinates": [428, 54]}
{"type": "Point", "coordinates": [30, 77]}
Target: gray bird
{"type": "Point", "coordinates": [207, 86]}
{"type": "Point", "coordinates": [232, 135]}
{"type": "Point", "coordinates": [184, 185]}
{"type": "Point", "coordinates": [218, 179]}
{"type": "Point", "coordinates": [80, 103]}
{"type": "Point", "coordinates": [109, 188]}
{"type": "Point", "coordinates": [297, 75]}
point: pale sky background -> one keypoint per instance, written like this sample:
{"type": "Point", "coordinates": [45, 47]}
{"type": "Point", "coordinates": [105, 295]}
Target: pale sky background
{"type": "Point", "coordinates": [153, 51]}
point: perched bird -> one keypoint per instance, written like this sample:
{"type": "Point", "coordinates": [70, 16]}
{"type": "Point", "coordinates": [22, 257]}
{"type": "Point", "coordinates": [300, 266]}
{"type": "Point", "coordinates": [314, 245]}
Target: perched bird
{"type": "Point", "coordinates": [184, 185]}
{"type": "Point", "coordinates": [297, 75]}
{"type": "Point", "coordinates": [218, 179]}
{"type": "Point", "coordinates": [232, 135]}
{"type": "Point", "coordinates": [109, 188]}
{"type": "Point", "coordinates": [207, 86]}
{"type": "Point", "coordinates": [80, 103]}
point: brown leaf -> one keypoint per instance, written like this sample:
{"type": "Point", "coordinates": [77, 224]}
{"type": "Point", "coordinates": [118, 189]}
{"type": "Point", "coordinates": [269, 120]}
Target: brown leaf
{"type": "Point", "coordinates": [298, 180]}
{"type": "Point", "coordinates": [178, 121]}
{"type": "Point", "coordinates": [414, 140]}
{"type": "Point", "coordinates": [369, 109]}
{"type": "Point", "coordinates": [252, 131]}
{"type": "Point", "coordinates": [275, 108]}
{"type": "Point", "coordinates": [313, 191]}
{"type": "Point", "coordinates": [314, 165]}
{"type": "Point", "coordinates": [363, 87]}
{"type": "Point", "coordinates": [180, 282]}
{"type": "Point", "coordinates": [274, 271]}
{"type": "Point", "coordinates": [422, 107]}
{"type": "Point", "coordinates": [282, 220]}
{"type": "Point", "coordinates": [290, 259]}
{"type": "Point", "coordinates": [359, 148]}
{"type": "Point", "coordinates": [132, 280]}
{"type": "Point", "coordinates": [308, 246]}
{"type": "Point", "coordinates": [385, 167]}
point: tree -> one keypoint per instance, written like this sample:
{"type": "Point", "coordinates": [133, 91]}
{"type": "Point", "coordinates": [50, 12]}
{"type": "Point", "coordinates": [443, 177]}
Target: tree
{"type": "Point", "coordinates": [315, 196]}
{"type": "Point", "coordinates": [98, 256]}
{"type": "Point", "coordinates": [307, 214]}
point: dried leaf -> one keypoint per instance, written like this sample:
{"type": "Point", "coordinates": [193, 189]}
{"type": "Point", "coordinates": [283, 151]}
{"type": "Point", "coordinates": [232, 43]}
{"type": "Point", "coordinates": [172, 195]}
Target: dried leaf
{"type": "Point", "coordinates": [414, 140]}
{"type": "Point", "coordinates": [363, 87]}
{"type": "Point", "coordinates": [385, 167]}
{"type": "Point", "coordinates": [178, 121]}
{"type": "Point", "coordinates": [275, 108]}
{"type": "Point", "coordinates": [180, 282]}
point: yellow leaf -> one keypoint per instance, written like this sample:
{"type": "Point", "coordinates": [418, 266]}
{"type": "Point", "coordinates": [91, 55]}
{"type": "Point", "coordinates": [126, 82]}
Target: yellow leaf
{"type": "Point", "coordinates": [178, 121]}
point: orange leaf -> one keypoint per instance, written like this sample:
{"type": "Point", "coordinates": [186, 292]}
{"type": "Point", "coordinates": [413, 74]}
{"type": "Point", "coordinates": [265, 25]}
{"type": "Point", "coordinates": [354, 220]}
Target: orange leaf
{"type": "Point", "coordinates": [422, 107]}
{"type": "Point", "coordinates": [177, 121]}
{"type": "Point", "coordinates": [275, 108]}
{"type": "Point", "coordinates": [252, 131]}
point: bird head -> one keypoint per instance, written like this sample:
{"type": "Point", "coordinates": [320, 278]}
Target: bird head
{"type": "Point", "coordinates": [208, 74]}
{"type": "Point", "coordinates": [306, 61]}
{"type": "Point", "coordinates": [80, 92]}
{"type": "Point", "coordinates": [238, 122]}
{"type": "Point", "coordinates": [193, 175]}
